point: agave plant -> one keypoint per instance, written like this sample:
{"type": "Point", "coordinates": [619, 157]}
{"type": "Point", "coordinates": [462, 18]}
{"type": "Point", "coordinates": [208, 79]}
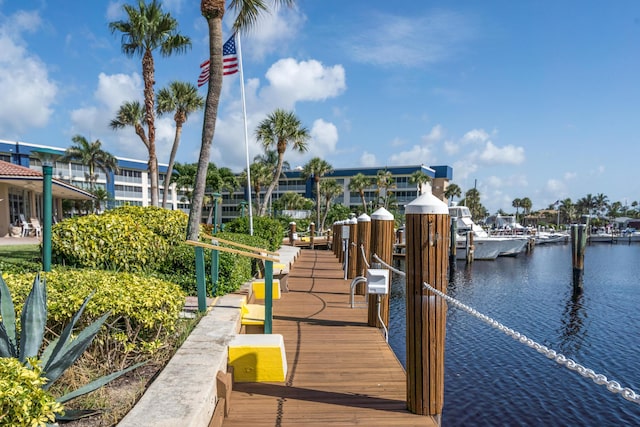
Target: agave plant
{"type": "Point", "coordinates": [60, 353]}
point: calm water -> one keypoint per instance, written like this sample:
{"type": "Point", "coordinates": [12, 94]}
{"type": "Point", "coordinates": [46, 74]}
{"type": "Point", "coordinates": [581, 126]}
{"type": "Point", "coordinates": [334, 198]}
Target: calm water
{"type": "Point", "coordinates": [492, 380]}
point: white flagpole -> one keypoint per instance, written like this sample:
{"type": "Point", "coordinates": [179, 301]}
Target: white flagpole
{"type": "Point", "coordinates": [246, 133]}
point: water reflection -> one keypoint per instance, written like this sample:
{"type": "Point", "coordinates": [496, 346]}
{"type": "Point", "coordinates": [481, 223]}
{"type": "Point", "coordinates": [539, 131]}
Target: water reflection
{"type": "Point", "coordinates": [573, 323]}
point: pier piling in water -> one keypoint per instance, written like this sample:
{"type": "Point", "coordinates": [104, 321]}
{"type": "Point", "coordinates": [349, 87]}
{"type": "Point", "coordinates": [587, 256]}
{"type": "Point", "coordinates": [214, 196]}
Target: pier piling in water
{"type": "Point", "coordinates": [427, 231]}
{"type": "Point", "coordinates": [382, 238]}
{"type": "Point", "coordinates": [578, 246]}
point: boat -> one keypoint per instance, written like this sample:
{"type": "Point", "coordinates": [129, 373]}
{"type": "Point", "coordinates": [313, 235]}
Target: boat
{"type": "Point", "coordinates": [485, 246]}
{"type": "Point", "coordinates": [547, 237]}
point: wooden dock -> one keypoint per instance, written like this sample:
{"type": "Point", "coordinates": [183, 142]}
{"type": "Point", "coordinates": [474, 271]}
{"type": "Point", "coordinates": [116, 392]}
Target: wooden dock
{"type": "Point", "coordinates": [341, 371]}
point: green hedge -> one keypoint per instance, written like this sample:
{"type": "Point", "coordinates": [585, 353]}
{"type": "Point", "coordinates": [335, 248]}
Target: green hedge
{"type": "Point", "coordinates": [267, 228]}
{"type": "Point", "coordinates": [143, 310]}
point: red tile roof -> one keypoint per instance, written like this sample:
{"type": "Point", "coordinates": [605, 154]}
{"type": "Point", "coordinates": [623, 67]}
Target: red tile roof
{"type": "Point", "coordinates": [9, 169]}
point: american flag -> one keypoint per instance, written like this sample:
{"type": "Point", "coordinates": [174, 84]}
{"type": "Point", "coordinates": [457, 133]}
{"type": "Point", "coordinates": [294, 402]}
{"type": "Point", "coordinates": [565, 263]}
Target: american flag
{"type": "Point", "coordinates": [229, 61]}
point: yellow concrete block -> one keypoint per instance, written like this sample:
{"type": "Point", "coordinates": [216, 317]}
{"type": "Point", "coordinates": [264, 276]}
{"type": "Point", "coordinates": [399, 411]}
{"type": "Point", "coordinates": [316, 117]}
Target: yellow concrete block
{"type": "Point", "coordinates": [258, 358]}
{"type": "Point", "coordinates": [259, 292]}
{"type": "Point", "coordinates": [252, 314]}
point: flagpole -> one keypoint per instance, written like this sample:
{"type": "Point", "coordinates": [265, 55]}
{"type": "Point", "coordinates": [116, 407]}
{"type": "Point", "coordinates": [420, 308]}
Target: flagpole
{"type": "Point", "coordinates": [246, 134]}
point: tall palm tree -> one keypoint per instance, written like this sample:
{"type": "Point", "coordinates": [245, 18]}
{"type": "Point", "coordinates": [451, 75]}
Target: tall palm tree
{"type": "Point", "coordinates": [329, 189]}
{"type": "Point", "coordinates": [453, 190]}
{"type": "Point", "coordinates": [316, 168]}
{"type": "Point", "coordinates": [419, 178]}
{"type": "Point", "coordinates": [149, 28]}
{"type": "Point", "coordinates": [472, 200]}
{"type": "Point", "coordinates": [184, 178]}
{"type": "Point", "coordinates": [260, 177]}
{"type": "Point", "coordinates": [601, 202]}
{"type": "Point", "coordinates": [182, 99]}
{"type": "Point", "coordinates": [517, 203]}
{"type": "Point", "coordinates": [279, 130]}
{"type": "Point", "coordinates": [384, 182]}
{"type": "Point", "coordinates": [92, 155]}
{"type": "Point", "coordinates": [131, 113]}
{"type": "Point", "coordinates": [247, 13]}
{"type": "Point", "coordinates": [568, 209]}
{"type": "Point", "coordinates": [359, 183]}
{"type": "Point", "coordinates": [526, 205]}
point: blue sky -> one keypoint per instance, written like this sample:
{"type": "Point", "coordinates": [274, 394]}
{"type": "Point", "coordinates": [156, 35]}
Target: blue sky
{"type": "Point", "coordinates": [535, 99]}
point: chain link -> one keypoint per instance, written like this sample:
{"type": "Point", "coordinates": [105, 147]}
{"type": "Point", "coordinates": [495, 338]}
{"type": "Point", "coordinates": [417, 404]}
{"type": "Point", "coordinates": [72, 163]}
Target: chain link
{"type": "Point", "coordinates": [612, 386]}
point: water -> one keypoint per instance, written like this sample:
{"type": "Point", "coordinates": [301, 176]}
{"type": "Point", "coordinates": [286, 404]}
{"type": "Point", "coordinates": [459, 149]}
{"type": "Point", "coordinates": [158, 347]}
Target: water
{"type": "Point", "coordinates": [492, 380]}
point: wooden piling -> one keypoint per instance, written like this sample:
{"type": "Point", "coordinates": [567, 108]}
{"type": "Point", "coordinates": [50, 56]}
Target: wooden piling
{"type": "Point", "coordinates": [352, 249]}
{"type": "Point", "coordinates": [469, 247]}
{"type": "Point", "coordinates": [292, 233]}
{"type": "Point", "coordinates": [452, 245]}
{"type": "Point", "coordinates": [382, 238]}
{"type": "Point", "coordinates": [578, 246]}
{"type": "Point", "coordinates": [364, 246]}
{"type": "Point", "coordinates": [312, 234]}
{"type": "Point", "coordinates": [428, 228]}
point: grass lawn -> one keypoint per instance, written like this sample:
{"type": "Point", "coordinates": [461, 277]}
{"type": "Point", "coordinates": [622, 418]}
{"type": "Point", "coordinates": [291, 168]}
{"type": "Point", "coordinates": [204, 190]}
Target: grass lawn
{"type": "Point", "coordinates": [15, 253]}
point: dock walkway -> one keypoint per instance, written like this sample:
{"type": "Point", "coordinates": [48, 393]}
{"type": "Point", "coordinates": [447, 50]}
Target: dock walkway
{"type": "Point", "coordinates": [341, 371]}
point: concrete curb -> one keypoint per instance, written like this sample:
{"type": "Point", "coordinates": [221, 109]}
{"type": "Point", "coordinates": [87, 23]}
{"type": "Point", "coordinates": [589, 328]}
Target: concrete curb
{"type": "Point", "coordinates": [185, 392]}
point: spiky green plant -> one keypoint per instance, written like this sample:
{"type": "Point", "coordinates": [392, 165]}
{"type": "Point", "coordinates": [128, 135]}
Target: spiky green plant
{"type": "Point", "coordinates": [60, 353]}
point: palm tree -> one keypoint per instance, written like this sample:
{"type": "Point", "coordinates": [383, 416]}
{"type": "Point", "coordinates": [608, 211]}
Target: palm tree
{"type": "Point", "coordinates": [472, 200]}
{"type": "Point", "coordinates": [182, 99]}
{"type": "Point", "coordinates": [453, 190]}
{"type": "Point", "coordinates": [384, 182]}
{"type": "Point", "coordinates": [149, 29]}
{"type": "Point", "coordinates": [568, 209]}
{"type": "Point", "coordinates": [419, 178]}
{"type": "Point", "coordinates": [260, 177]}
{"type": "Point", "coordinates": [247, 13]}
{"type": "Point", "coordinates": [526, 204]}
{"type": "Point", "coordinates": [92, 155]}
{"type": "Point", "coordinates": [316, 168]}
{"type": "Point", "coordinates": [278, 130]}
{"type": "Point", "coordinates": [359, 183]}
{"type": "Point", "coordinates": [517, 203]}
{"type": "Point", "coordinates": [184, 178]}
{"type": "Point", "coordinates": [329, 189]}
{"type": "Point", "coordinates": [601, 202]}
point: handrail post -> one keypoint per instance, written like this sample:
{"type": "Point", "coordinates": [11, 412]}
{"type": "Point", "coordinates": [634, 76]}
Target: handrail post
{"type": "Point", "coordinates": [200, 279]}
{"type": "Point", "coordinates": [215, 270]}
{"type": "Point", "coordinates": [268, 297]}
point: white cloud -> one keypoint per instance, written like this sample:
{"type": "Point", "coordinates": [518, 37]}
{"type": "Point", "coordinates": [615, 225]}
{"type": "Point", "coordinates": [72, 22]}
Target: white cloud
{"type": "Point", "coordinates": [570, 175]}
{"type": "Point", "coordinates": [417, 155]}
{"type": "Point", "coordinates": [397, 142]}
{"type": "Point", "coordinates": [27, 91]}
{"type": "Point", "coordinates": [324, 138]}
{"type": "Point", "coordinates": [114, 10]}
{"type": "Point", "coordinates": [508, 154]}
{"type": "Point", "coordinates": [411, 41]}
{"type": "Point", "coordinates": [368, 160]}
{"type": "Point", "coordinates": [555, 186]}
{"type": "Point", "coordinates": [476, 135]}
{"type": "Point", "coordinates": [291, 81]}
{"type": "Point", "coordinates": [450, 147]}
{"type": "Point", "coordinates": [436, 134]}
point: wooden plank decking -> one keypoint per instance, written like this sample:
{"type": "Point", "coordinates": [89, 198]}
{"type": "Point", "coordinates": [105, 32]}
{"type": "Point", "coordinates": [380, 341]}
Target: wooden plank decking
{"type": "Point", "coordinates": [341, 372]}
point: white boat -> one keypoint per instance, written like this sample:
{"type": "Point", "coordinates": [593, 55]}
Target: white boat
{"type": "Point", "coordinates": [485, 247]}
{"type": "Point", "coordinates": [546, 237]}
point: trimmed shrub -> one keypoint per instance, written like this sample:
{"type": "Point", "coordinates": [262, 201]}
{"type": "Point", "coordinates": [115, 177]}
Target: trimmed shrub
{"type": "Point", "coordinates": [23, 402]}
{"type": "Point", "coordinates": [143, 310]}
{"type": "Point", "coordinates": [107, 242]}
{"type": "Point", "coordinates": [237, 269]}
{"type": "Point", "coordinates": [267, 228]}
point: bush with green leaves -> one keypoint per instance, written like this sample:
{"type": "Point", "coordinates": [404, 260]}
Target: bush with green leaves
{"type": "Point", "coordinates": [144, 311]}
{"type": "Point", "coordinates": [236, 269]}
{"type": "Point", "coordinates": [107, 242]}
{"type": "Point", "coordinates": [23, 341]}
{"type": "Point", "coordinates": [23, 400]}
{"type": "Point", "coordinates": [267, 228]}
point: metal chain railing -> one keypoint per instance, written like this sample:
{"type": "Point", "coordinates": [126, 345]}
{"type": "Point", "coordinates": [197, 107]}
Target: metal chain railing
{"type": "Point", "coordinates": [612, 386]}
{"type": "Point", "coordinates": [395, 270]}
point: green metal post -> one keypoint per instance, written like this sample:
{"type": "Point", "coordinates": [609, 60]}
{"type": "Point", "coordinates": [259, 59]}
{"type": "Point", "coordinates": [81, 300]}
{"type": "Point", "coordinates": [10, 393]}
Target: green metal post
{"type": "Point", "coordinates": [215, 270]}
{"type": "Point", "coordinates": [47, 212]}
{"type": "Point", "coordinates": [200, 280]}
{"type": "Point", "coordinates": [216, 213]}
{"type": "Point", "coordinates": [268, 297]}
